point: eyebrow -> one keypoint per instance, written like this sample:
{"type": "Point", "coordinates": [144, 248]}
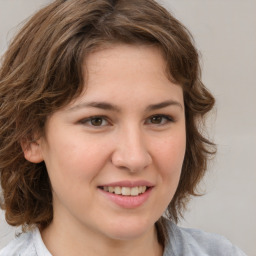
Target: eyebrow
{"type": "Point", "coordinates": [100, 105]}
{"type": "Point", "coordinates": [112, 107]}
{"type": "Point", "coordinates": [164, 104]}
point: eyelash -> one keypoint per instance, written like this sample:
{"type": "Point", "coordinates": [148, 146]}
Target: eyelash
{"type": "Point", "coordinates": [91, 118]}
{"type": "Point", "coordinates": [168, 119]}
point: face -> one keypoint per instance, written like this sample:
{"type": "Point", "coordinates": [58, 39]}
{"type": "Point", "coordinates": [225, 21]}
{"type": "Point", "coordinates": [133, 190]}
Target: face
{"type": "Point", "coordinates": [114, 155]}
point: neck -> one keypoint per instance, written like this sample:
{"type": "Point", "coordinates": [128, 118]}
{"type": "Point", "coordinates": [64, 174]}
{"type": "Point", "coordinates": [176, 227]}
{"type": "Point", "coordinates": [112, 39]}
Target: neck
{"type": "Point", "coordinates": [65, 240]}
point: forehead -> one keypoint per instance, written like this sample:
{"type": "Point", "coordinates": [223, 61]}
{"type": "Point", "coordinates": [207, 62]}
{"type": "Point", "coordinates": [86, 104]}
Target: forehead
{"type": "Point", "coordinates": [125, 55]}
{"type": "Point", "coordinates": [128, 73]}
{"type": "Point", "coordinates": [125, 61]}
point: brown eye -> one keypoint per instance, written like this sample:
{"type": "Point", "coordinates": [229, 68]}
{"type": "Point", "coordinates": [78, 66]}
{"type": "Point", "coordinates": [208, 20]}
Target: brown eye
{"type": "Point", "coordinates": [156, 119]}
{"type": "Point", "coordinates": [159, 120]}
{"type": "Point", "coordinates": [97, 121]}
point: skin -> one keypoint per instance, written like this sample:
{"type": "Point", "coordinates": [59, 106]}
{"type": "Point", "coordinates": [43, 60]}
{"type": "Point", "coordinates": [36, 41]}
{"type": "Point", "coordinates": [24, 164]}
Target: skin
{"type": "Point", "coordinates": [134, 141]}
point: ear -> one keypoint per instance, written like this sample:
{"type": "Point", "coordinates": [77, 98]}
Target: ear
{"type": "Point", "coordinates": [32, 150]}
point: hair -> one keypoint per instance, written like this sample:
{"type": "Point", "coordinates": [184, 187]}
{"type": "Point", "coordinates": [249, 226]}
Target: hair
{"type": "Point", "coordinates": [42, 71]}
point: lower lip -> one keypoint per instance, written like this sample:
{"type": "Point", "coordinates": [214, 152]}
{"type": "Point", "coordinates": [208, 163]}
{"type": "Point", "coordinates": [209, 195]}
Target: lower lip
{"type": "Point", "coordinates": [128, 202]}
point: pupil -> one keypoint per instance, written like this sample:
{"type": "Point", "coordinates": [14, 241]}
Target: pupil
{"type": "Point", "coordinates": [96, 121]}
{"type": "Point", "coordinates": [156, 119]}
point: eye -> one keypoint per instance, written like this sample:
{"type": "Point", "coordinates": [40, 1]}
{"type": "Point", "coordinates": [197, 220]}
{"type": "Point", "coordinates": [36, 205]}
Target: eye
{"type": "Point", "coordinates": [159, 120]}
{"type": "Point", "coordinates": [97, 121]}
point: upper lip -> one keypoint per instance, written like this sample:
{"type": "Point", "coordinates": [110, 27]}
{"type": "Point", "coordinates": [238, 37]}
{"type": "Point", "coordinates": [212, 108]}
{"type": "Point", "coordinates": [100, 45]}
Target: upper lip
{"type": "Point", "coordinates": [128, 183]}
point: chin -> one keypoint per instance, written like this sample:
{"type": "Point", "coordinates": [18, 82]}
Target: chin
{"type": "Point", "coordinates": [129, 229]}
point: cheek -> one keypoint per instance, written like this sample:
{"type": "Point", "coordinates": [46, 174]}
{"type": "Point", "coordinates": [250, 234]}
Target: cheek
{"type": "Point", "coordinates": [72, 161]}
{"type": "Point", "coordinates": [171, 153]}
{"type": "Point", "coordinates": [170, 156]}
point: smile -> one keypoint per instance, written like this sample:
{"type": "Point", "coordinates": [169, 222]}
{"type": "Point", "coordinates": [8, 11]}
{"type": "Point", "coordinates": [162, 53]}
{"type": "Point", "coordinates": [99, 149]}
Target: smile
{"type": "Point", "coordinates": [126, 196]}
{"type": "Point", "coordinates": [125, 191]}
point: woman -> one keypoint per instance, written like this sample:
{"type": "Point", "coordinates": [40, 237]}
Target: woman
{"type": "Point", "coordinates": [101, 103]}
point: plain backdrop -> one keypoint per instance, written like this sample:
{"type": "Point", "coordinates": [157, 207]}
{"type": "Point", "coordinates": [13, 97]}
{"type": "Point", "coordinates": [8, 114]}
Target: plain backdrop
{"type": "Point", "coordinates": [225, 34]}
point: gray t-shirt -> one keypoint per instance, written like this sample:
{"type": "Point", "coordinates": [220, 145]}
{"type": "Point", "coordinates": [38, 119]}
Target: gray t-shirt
{"type": "Point", "coordinates": [182, 241]}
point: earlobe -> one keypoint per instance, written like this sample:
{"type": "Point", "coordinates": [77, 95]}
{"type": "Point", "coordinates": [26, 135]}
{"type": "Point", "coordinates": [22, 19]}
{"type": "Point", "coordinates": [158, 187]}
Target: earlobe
{"type": "Point", "coordinates": [32, 151]}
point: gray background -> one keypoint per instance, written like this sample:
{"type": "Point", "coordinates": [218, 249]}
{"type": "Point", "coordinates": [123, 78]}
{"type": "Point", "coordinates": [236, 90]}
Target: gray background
{"type": "Point", "coordinates": [225, 33]}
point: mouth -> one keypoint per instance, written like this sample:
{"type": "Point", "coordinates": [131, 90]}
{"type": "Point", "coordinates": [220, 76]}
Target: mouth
{"type": "Point", "coordinates": [125, 191]}
{"type": "Point", "coordinates": [127, 194]}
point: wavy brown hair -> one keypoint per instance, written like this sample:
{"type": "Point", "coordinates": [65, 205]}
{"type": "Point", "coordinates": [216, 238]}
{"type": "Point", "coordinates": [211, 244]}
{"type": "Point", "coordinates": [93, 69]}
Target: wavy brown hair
{"type": "Point", "coordinates": [42, 71]}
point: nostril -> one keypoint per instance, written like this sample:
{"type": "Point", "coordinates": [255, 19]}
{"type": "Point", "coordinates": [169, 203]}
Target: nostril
{"type": "Point", "coordinates": [132, 163]}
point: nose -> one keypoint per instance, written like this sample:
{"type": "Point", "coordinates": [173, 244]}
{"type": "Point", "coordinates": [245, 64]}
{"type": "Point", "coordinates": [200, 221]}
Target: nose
{"type": "Point", "coordinates": [131, 152]}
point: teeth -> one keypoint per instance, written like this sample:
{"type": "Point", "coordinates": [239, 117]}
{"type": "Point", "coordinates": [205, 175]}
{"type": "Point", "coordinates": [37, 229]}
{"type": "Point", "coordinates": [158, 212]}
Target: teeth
{"type": "Point", "coordinates": [134, 191]}
{"type": "Point", "coordinates": [111, 189]}
{"type": "Point", "coordinates": [118, 190]}
{"type": "Point", "coordinates": [126, 191]}
{"type": "Point", "coordinates": [143, 189]}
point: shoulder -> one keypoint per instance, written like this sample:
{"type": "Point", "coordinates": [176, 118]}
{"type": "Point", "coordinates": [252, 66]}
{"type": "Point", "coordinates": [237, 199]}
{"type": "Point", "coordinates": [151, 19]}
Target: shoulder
{"type": "Point", "coordinates": [26, 244]}
{"type": "Point", "coordinates": [21, 245]}
{"type": "Point", "coordinates": [186, 241]}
